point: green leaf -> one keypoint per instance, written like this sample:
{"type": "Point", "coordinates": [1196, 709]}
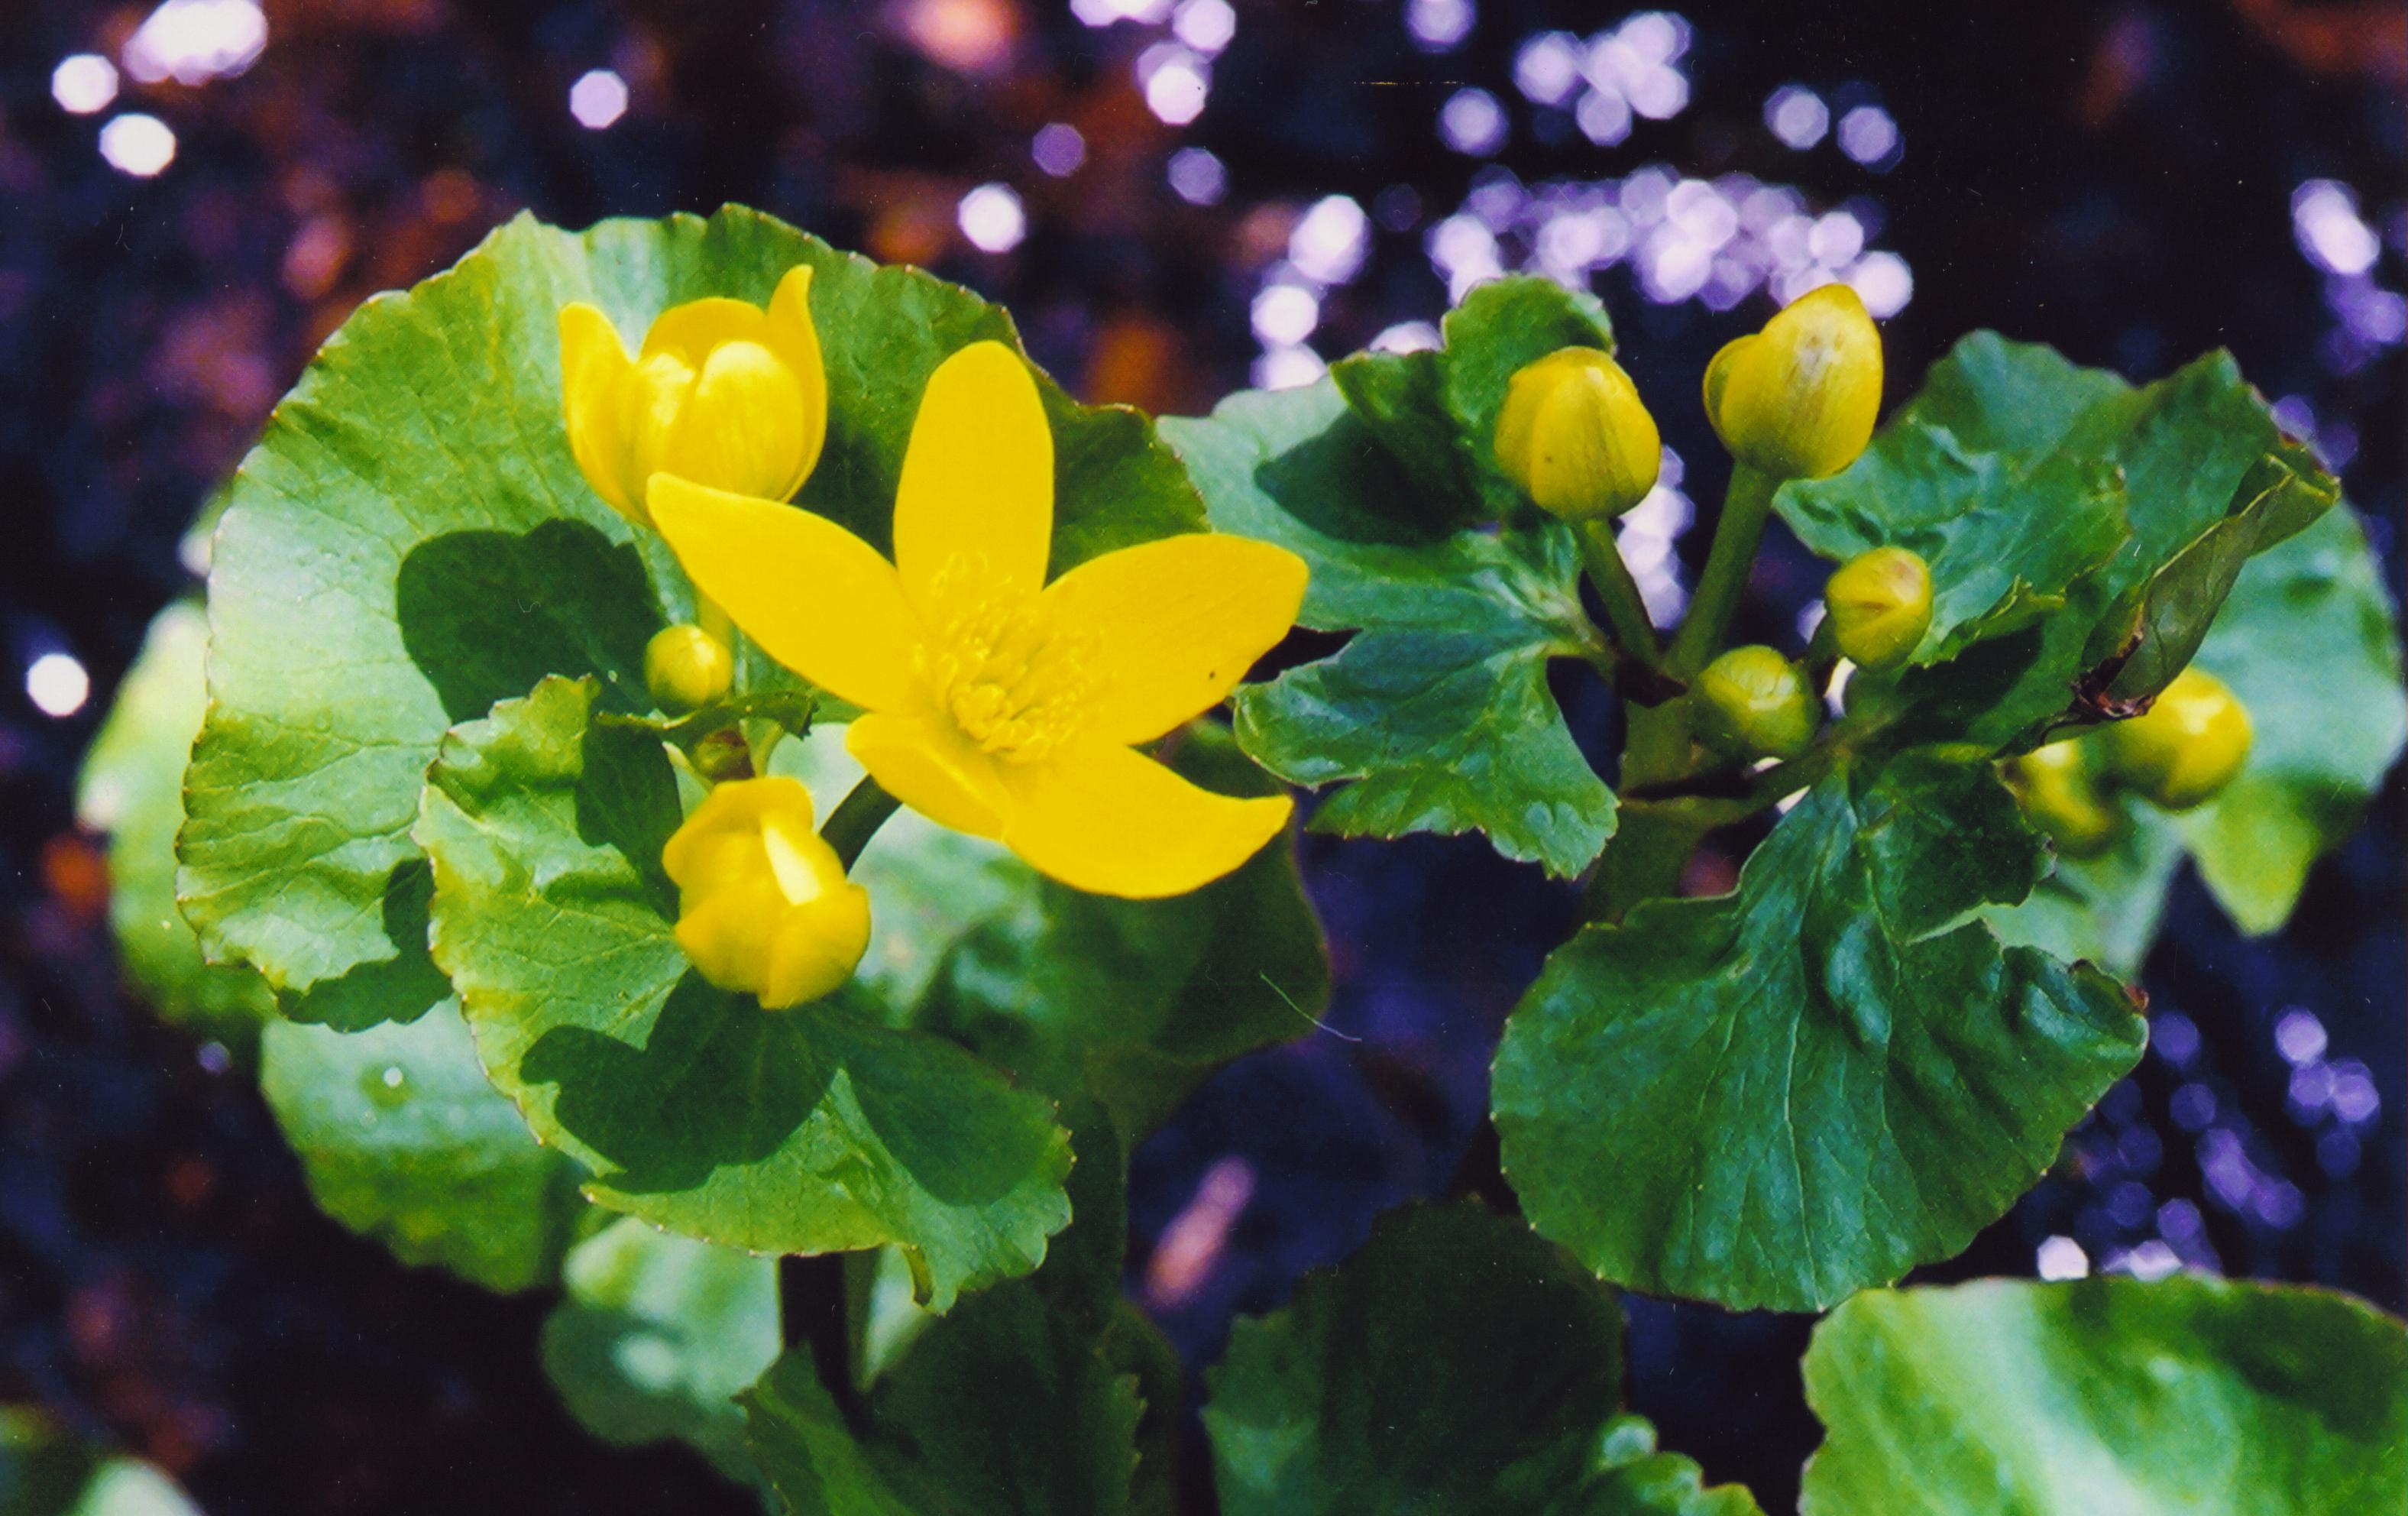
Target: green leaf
{"type": "Point", "coordinates": [411, 541]}
{"type": "Point", "coordinates": [133, 789]}
{"type": "Point", "coordinates": [2310, 643]}
{"type": "Point", "coordinates": [1777, 1097]}
{"type": "Point", "coordinates": [1970, 476]}
{"type": "Point", "coordinates": [814, 1129]}
{"type": "Point", "coordinates": [657, 1334]}
{"type": "Point", "coordinates": [1438, 709]}
{"type": "Point", "coordinates": [2108, 1397]}
{"type": "Point", "coordinates": [1436, 411]}
{"type": "Point", "coordinates": [1456, 1364]}
{"type": "Point", "coordinates": [2082, 532]}
{"type": "Point", "coordinates": [1136, 1002]}
{"type": "Point", "coordinates": [1011, 1406]}
{"type": "Point", "coordinates": [2102, 910]}
{"type": "Point", "coordinates": [404, 1140]}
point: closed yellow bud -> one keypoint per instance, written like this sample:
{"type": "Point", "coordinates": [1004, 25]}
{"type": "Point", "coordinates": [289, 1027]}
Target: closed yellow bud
{"type": "Point", "coordinates": [2187, 746]}
{"type": "Point", "coordinates": [1880, 605]}
{"type": "Point", "coordinates": [1798, 399]}
{"type": "Point", "coordinates": [686, 668]}
{"type": "Point", "coordinates": [723, 392]}
{"type": "Point", "coordinates": [2058, 788]}
{"type": "Point", "coordinates": [1575, 437]}
{"type": "Point", "coordinates": [1752, 702]}
{"type": "Point", "coordinates": [764, 907]}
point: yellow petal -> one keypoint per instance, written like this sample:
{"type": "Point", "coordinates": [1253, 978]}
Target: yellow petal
{"type": "Point", "coordinates": [978, 476]}
{"type": "Point", "coordinates": [791, 333]}
{"type": "Point", "coordinates": [594, 371]}
{"type": "Point", "coordinates": [1173, 625]}
{"type": "Point", "coordinates": [1111, 821]}
{"type": "Point", "coordinates": [741, 427]}
{"type": "Point", "coordinates": [693, 329]}
{"type": "Point", "coordinates": [815, 597]}
{"type": "Point", "coordinates": [924, 761]}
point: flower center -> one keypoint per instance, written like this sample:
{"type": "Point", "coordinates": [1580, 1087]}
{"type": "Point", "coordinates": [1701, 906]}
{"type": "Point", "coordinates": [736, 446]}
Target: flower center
{"type": "Point", "coordinates": [1017, 684]}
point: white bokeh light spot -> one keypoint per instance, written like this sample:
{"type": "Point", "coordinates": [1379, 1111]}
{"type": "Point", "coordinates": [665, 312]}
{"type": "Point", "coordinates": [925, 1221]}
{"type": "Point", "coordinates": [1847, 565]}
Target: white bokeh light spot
{"type": "Point", "coordinates": [597, 99]}
{"type": "Point", "coordinates": [137, 144]}
{"type": "Point", "coordinates": [57, 684]}
{"type": "Point", "coordinates": [83, 83]}
{"type": "Point", "coordinates": [992, 219]}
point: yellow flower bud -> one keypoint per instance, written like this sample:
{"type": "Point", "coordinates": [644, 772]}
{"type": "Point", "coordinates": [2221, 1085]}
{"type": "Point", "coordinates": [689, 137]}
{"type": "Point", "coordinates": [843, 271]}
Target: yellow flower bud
{"type": "Point", "coordinates": [2058, 788]}
{"type": "Point", "coordinates": [686, 668]}
{"type": "Point", "coordinates": [1880, 605]}
{"type": "Point", "coordinates": [724, 394]}
{"type": "Point", "coordinates": [2186, 746]}
{"type": "Point", "coordinates": [764, 907]}
{"type": "Point", "coordinates": [1575, 437]}
{"type": "Point", "coordinates": [1752, 702]}
{"type": "Point", "coordinates": [1798, 399]}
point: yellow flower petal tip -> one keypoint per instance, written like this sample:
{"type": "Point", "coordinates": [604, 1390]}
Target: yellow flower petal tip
{"type": "Point", "coordinates": [995, 703]}
{"type": "Point", "coordinates": [764, 907]}
{"type": "Point", "coordinates": [2190, 743]}
{"type": "Point", "coordinates": [1575, 436]}
{"type": "Point", "coordinates": [723, 393]}
{"type": "Point", "coordinates": [1798, 399]}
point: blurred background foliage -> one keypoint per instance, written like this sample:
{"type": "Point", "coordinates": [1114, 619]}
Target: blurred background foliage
{"type": "Point", "coordinates": [1176, 198]}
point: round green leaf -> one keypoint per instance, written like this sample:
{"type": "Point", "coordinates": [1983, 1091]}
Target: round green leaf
{"type": "Point", "coordinates": [403, 1139]}
{"type": "Point", "coordinates": [1435, 715]}
{"type": "Point", "coordinates": [1456, 1365]}
{"type": "Point", "coordinates": [814, 1129]}
{"type": "Point", "coordinates": [2108, 1397]}
{"type": "Point", "coordinates": [411, 541]}
{"type": "Point", "coordinates": [1777, 1097]}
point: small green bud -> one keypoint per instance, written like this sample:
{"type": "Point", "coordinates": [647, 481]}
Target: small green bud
{"type": "Point", "coordinates": [1798, 399]}
{"type": "Point", "coordinates": [686, 668]}
{"type": "Point", "coordinates": [1880, 605]}
{"type": "Point", "coordinates": [2186, 746]}
{"type": "Point", "coordinates": [2058, 788]}
{"type": "Point", "coordinates": [1752, 701]}
{"type": "Point", "coordinates": [1575, 437]}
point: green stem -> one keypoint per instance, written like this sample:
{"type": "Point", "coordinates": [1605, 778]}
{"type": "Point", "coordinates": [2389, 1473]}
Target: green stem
{"type": "Point", "coordinates": [1745, 507]}
{"type": "Point", "coordinates": [857, 819]}
{"type": "Point", "coordinates": [1626, 609]}
{"type": "Point", "coordinates": [1649, 851]}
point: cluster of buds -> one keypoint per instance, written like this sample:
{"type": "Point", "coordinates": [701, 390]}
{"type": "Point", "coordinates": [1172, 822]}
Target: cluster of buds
{"type": "Point", "coordinates": [2181, 753]}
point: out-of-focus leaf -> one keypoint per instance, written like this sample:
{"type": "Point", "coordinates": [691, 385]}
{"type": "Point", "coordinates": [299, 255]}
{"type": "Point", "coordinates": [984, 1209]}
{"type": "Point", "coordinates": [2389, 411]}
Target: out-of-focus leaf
{"type": "Point", "coordinates": [46, 1472]}
{"type": "Point", "coordinates": [2012, 1398]}
{"type": "Point", "coordinates": [812, 1130]}
{"type": "Point", "coordinates": [2102, 910]}
{"type": "Point", "coordinates": [1436, 716]}
{"type": "Point", "coordinates": [656, 1337]}
{"type": "Point", "coordinates": [1777, 1097]}
{"type": "Point", "coordinates": [402, 1138]}
{"type": "Point", "coordinates": [133, 789]}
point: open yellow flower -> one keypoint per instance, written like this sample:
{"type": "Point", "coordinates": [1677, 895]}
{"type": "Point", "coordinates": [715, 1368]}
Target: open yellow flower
{"type": "Point", "coordinates": [999, 704]}
{"type": "Point", "coordinates": [723, 392]}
